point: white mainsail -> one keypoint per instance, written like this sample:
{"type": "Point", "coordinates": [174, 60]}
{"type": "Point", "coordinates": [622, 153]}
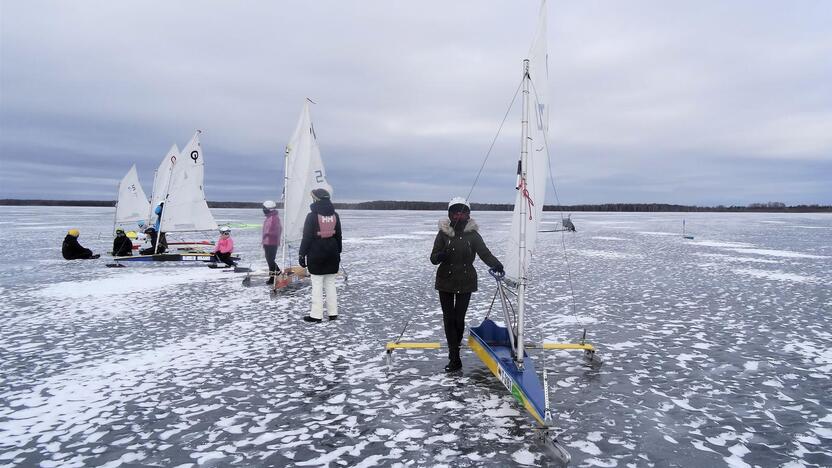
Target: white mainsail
{"type": "Point", "coordinates": [185, 207]}
{"type": "Point", "coordinates": [531, 193]}
{"type": "Point", "coordinates": [161, 180]}
{"type": "Point", "coordinates": [303, 172]}
{"type": "Point", "coordinates": [132, 202]}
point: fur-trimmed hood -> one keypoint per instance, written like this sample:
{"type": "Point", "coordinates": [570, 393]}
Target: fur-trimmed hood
{"type": "Point", "coordinates": [445, 226]}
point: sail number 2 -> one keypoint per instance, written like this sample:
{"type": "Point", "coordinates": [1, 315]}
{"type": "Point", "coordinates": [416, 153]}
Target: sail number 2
{"type": "Point", "coordinates": [319, 176]}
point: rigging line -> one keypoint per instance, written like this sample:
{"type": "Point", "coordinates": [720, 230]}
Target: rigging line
{"type": "Point", "coordinates": [560, 212]}
{"type": "Point", "coordinates": [494, 141]}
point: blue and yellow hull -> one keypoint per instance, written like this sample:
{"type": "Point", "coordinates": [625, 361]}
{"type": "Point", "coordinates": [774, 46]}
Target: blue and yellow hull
{"type": "Point", "coordinates": [491, 344]}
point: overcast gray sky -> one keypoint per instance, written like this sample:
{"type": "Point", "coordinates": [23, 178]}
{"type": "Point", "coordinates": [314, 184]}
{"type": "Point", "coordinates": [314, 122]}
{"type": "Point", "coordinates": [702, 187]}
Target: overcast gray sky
{"type": "Point", "coordinates": [705, 102]}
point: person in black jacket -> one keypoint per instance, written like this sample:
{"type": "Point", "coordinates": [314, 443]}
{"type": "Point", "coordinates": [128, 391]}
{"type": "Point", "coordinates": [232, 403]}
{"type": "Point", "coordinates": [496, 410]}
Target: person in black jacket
{"type": "Point", "coordinates": [122, 245]}
{"type": "Point", "coordinates": [320, 252]}
{"type": "Point", "coordinates": [454, 250]}
{"type": "Point", "coordinates": [72, 250]}
{"type": "Point", "coordinates": [154, 237]}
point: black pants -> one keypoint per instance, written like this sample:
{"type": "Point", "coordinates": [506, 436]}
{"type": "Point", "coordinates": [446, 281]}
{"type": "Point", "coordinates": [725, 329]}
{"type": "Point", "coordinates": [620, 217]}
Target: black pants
{"type": "Point", "coordinates": [225, 258]}
{"type": "Point", "coordinates": [271, 253]}
{"type": "Point", "coordinates": [454, 307]}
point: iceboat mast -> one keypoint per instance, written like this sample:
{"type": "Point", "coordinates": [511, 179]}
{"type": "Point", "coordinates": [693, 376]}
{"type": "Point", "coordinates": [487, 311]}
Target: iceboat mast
{"type": "Point", "coordinates": [521, 280]}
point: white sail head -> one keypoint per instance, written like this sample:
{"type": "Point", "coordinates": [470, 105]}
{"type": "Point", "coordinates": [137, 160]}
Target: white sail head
{"type": "Point", "coordinates": [132, 202]}
{"type": "Point", "coordinates": [185, 207]}
{"type": "Point", "coordinates": [537, 159]}
{"type": "Point", "coordinates": [161, 180]}
{"type": "Point", "coordinates": [304, 173]}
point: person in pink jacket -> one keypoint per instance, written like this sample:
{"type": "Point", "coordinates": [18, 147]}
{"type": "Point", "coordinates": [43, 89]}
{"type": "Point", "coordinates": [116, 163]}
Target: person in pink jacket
{"type": "Point", "coordinates": [271, 237]}
{"type": "Point", "coordinates": [225, 247]}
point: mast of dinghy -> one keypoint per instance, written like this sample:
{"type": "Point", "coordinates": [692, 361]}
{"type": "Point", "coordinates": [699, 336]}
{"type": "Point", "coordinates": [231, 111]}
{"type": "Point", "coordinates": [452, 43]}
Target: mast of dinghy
{"type": "Point", "coordinates": [285, 184]}
{"type": "Point", "coordinates": [524, 156]}
{"type": "Point", "coordinates": [161, 215]}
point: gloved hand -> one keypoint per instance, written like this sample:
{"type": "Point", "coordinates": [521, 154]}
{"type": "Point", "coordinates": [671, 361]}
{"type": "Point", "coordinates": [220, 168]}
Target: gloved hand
{"type": "Point", "coordinates": [442, 256]}
{"type": "Point", "coordinates": [302, 262]}
{"type": "Point", "coordinates": [498, 272]}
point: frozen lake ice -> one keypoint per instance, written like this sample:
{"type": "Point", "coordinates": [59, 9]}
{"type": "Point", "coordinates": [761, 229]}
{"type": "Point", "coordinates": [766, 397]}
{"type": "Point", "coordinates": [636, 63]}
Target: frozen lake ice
{"type": "Point", "coordinates": [717, 350]}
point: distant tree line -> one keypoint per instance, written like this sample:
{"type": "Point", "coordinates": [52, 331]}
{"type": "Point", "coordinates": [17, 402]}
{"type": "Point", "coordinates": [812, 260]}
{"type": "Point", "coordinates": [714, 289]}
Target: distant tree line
{"type": "Point", "coordinates": [767, 207]}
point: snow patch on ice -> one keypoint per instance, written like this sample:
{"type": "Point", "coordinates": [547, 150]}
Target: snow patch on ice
{"type": "Point", "coordinates": [129, 283]}
{"type": "Point", "coordinates": [778, 253]}
{"type": "Point", "coordinates": [602, 254]}
{"type": "Point", "coordinates": [776, 275]}
{"type": "Point", "coordinates": [657, 233]}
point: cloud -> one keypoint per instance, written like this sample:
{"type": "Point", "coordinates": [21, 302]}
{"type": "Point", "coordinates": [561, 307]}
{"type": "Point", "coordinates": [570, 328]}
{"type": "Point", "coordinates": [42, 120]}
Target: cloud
{"type": "Point", "coordinates": [650, 101]}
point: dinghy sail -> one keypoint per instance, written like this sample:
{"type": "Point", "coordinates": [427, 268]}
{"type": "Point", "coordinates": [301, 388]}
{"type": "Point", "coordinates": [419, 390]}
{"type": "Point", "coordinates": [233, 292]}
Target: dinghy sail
{"type": "Point", "coordinates": [132, 202]}
{"type": "Point", "coordinates": [303, 171]}
{"type": "Point", "coordinates": [160, 181]}
{"type": "Point", "coordinates": [185, 206]}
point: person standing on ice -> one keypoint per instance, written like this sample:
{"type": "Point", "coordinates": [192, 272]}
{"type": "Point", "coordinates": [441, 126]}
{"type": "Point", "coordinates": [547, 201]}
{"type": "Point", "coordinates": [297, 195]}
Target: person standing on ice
{"type": "Point", "coordinates": [272, 230]}
{"type": "Point", "coordinates": [72, 250]}
{"type": "Point", "coordinates": [225, 247]}
{"type": "Point", "coordinates": [454, 250]}
{"type": "Point", "coordinates": [320, 252]}
{"type": "Point", "coordinates": [122, 245]}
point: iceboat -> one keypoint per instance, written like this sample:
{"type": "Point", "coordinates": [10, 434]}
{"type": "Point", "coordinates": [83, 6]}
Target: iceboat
{"type": "Point", "coordinates": [303, 172]}
{"type": "Point", "coordinates": [685, 235]}
{"type": "Point", "coordinates": [503, 348]}
{"type": "Point", "coordinates": [179, 184]}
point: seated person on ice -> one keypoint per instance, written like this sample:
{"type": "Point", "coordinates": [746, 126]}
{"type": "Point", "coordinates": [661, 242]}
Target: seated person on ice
{"type": "Point", "coordinates": [225, 246]}
{"type": "Point", "coordinates": [72, 250]}
{"type": "Point", "coordinates": [152, 235]}
{"type": "Point", "coordinates": [122, 245]}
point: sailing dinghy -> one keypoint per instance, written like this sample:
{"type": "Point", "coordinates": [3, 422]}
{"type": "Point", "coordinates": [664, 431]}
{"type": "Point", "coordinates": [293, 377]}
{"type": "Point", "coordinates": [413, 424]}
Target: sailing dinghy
{"type": "Point", "coordinates": [185, 208]}
{"type": "Point", "coordinates": [503, 348]}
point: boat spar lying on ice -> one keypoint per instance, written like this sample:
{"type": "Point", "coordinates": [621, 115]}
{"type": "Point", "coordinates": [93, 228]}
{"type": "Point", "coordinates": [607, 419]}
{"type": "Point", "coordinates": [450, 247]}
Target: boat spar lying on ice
{"type": "Point", "coordinates": [503, 348]}
{"type": "Point", "coordinates": [179, 184]}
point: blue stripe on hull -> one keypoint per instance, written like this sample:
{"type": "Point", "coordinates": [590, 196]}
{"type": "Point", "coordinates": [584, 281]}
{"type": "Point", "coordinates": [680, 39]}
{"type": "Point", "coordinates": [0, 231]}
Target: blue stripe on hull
{"type": "Point", "coordinates": [491, 344]}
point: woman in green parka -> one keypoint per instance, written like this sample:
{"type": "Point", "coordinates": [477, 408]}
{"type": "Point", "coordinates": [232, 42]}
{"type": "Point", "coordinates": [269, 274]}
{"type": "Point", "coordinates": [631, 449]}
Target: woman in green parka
{"type": "Point", "coordinates": [454, 249]}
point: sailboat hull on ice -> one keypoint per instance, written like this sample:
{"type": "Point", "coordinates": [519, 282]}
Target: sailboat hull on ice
{"type": "Point", "coordinates": [490, 342]}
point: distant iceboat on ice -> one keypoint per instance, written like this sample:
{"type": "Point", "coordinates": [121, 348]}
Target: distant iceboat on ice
{"type": "Point", "coordinates": [684, 233]}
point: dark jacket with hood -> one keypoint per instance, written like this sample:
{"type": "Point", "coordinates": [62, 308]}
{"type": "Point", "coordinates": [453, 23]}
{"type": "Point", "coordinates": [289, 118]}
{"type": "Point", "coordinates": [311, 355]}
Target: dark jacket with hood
{"type": "Point", "coordinates": [323, 255]}
{"type": "Point", "coordinates": [454, 252]}
{"type": "Point", "coordinates": [72, 250]}
{"type": "Point", "coordinates": [122, 247]}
